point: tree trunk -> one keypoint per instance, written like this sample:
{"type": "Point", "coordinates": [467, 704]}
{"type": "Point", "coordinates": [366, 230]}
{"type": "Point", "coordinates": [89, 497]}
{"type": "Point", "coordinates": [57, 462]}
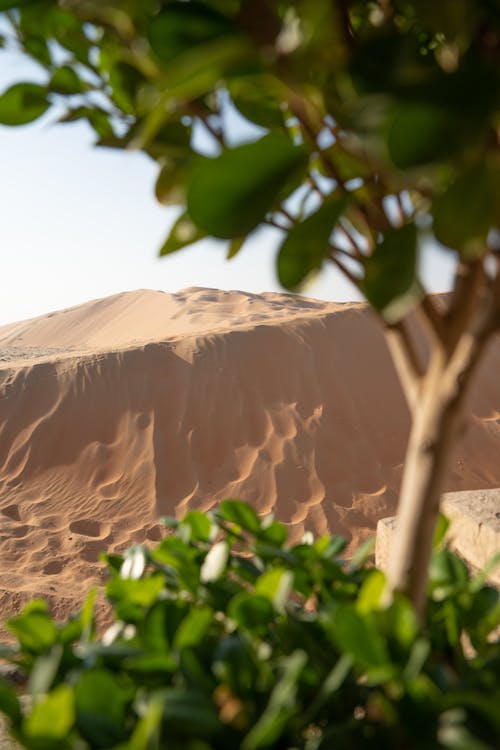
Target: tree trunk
{"type": "Point", "coordinates": [436, 400]}
{"type": "Point", "coordinates": [436, 425]}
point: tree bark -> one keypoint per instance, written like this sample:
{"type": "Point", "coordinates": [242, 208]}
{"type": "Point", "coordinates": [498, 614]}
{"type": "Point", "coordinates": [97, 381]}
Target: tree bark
{"type": "Point", "coordinates": [436, 424]}
{"type": "Point", "coordinates": [438, 413]}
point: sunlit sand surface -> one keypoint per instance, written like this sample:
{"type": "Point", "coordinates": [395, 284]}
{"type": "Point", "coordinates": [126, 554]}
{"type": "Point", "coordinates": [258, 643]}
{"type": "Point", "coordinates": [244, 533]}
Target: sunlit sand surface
{"type": "Point", "coordinates": [144, 404]}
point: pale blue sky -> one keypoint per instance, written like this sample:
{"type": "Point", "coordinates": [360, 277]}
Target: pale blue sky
{"type": "Point", "coordinates": [79, 223]}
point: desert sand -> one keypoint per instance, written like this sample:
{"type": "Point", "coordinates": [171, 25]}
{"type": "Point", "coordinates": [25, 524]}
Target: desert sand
{"type": "Point", "coordinates": [118, 411]}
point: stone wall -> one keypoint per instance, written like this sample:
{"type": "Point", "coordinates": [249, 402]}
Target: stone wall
{"type": "Point", "coordinates": [474, 531]}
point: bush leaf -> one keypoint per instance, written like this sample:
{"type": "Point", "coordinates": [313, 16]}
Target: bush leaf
{"type": "Point", "coordinates": [240, 513]}
{"type": "Point", "coordinates": [22, 103]}
{"type": "Point", "coordinates": [390, 283]}
{"type": "Point", "coordinates": [180, 28]}
{"type": "Point", "coordinates": [466, 212]}
{"type": "Point", "coordinates": [230, 195]}
{"type": "Point", "coordinates": [306, 245]}
{"type": "Point", "coordinates": [183, 233]}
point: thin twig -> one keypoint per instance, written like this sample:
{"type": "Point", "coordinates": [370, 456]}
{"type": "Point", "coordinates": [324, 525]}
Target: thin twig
{"type": "Point", "coordinates": [314, 184]}
{"type": "Point", "coordinates": [270, 221]}
{"type": "Point", "coordinates": [433, 320]}
{"type": "Point", "coordinates": [342, 7]}
{"type": "Point", "coordinates": [217, 134]}
{"type": "Point", "coordinates": [287, 214]}
{"type": "Point", "coordinates": [356, 249]}
{"type": "Point", "coordinates": [401, 213]}
{"type": "Point", "coordinates": [344, 252]}
{"type": "Point", "coordinates": [406, 360]}
{"type": "Point", "coordinates": [353, 279]}
{"type": "Point", "coordinates": [469, 278]}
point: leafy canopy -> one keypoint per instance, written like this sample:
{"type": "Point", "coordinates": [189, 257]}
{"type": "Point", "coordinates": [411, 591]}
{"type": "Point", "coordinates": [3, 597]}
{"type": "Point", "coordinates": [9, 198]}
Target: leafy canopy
{"type": "Point", "coordinates": [226, 636]}
{"type": "Point", "coordinates": [375, 122]}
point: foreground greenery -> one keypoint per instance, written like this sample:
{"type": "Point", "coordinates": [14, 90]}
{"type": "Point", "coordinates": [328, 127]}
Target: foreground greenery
{"type": "Point", "coordinates": [375, 128]}
{"type": "Point", "coordinates": [225, 637]}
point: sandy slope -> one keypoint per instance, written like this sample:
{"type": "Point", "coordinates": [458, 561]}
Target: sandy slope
{"type": "Point", "coordinates": [143, 404]}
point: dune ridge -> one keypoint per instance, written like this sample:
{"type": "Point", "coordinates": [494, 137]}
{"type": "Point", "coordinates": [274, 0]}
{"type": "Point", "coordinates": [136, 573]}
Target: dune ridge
{"type": "Point", "coordinates": [145, 404]}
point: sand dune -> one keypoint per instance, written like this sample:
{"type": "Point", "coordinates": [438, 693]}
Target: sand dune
{"type": "Point", "coordinates": [143, 404]}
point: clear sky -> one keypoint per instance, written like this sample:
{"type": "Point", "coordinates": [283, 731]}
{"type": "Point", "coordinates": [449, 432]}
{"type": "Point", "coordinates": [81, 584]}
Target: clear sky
{"type": "Point", "coordinates": [78, 222]}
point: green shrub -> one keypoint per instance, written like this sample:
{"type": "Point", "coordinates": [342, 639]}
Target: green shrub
{"type": "Point", "coordinates": [225, 637]}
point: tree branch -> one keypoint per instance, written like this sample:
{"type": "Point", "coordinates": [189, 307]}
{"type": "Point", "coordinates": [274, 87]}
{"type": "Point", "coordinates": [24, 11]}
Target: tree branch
{"type": "Point", "coordinates": [341, 7]}
{"type": "Point", "coordinates": [408, 366]}
{"type": "Point", "coordinates": [469, 278]}
{"type": "Point", "coordinates": [433, 320]}
{"type": "Point", "coordinates": [356, 250]}
{"type": "Point", "coordinates": [352, 278]}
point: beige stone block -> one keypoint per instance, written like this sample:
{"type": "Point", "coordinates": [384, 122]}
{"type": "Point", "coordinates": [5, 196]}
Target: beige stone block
{"type": "Point", "coordinates": [474, 531]}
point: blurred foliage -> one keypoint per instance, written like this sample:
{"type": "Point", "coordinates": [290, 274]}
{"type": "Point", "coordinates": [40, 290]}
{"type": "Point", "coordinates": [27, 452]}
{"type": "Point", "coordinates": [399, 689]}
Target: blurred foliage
{"type": "Point", "coordinates": [226, 637]}
{"type": "Point", "coordinates": [352, 102]}
{"type": "Point", "coordinates": [375, 123]}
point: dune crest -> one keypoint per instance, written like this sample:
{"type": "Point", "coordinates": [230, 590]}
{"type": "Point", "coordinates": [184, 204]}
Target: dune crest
{"type": "Point", "coordinates": [145, 404]}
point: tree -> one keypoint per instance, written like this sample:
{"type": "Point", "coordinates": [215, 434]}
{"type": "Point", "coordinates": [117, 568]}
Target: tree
{"type": "Point", "coordinates": [378, 129]}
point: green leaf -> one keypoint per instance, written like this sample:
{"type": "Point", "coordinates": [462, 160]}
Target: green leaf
{"type": "Point", "coordinates": [450, 18]}
{"type": "Point", "coordinates": [66, 81]}
{"type": "Point", "coordinates": [235, 662]}
{"type": "Point", "coordinates": [235, 247]}
{"type": "Point", "coordinates": [170, 522]}
{"type": "Point", "coordinates": [251, 611]}
{"type": "Point", "coordinates": [275, 585]}
{"type": "Point", "coordinates": [125, 80]}
{"type": "Point", "coordinates": [419, 133]}
{"type": "Point", "coordinates": [466, 212]}
{"type": "Point", "coordinates": [100, 121]}
{"type": "Point", "coordinates": [281, 706]}
{"type": "Point", "coordinates": [9, 702]}
{"type": "Point", "coordinates": [358, 635]}
{"type": "Point", "coordinates": [447, 573]}
{"type": "Point", "coordinates": [142, 592]}
{"type": "Point", "coordinates": [34, 628]}
{"type": "Point", "coordinates": [306, 245]}
{"type": "Point", "coordinates": [51, 718]}
{"type": "Point", "coordinates": [333, 682]}
{"type": "Point", "coordinates": [22, 103]}
{"type": "Point", "coordinates": [189, 713]}
{"type": "Point", "coordinates": [183, 233]}
{"type": "Point", "coordinates": [44, 670]}
{"type": "Point", "coordinates": [179, 557]}
{"type": "Point", "coordinates": [390, 283]}
{"type": "Point", "coordinates": [401, 621]}
{"type": "Point", "coordinates": [273, 533]}
{"type": "Point", "coordinates": [148, 726]}
{"type": "Point", "coordinates": [37, 47]}
{"type": "Point", "coordinates": [161, 623]}
{"type": "Point", "coordinates": [256, 104]}
{"type": "Point", "coordinates": [371, 592]}
{"type": "Point", "coordinates": [200, 525]}
{"type": "Point", "coordinates": [180, 28]}
{"type": "Point", "coordinates": [193, 628]}
{"type": "Point", "coordinates": [330, 547]}
{"type": "Point", "coordinates": [146, 665]}
{"type": "Point", "coordinates": [418, 656]}
{"type": "Point", "coordinates": [442, 527]}
{"type": "Point", "coordinates": [171, 140]}
{"type": "Point", "coordinates": [363, 552]}
{"type": "Point", "coordinates": [10, 4]}
{"type": "Point", "coordinates": [480, 579]}
{"type": "Point", "coordinates": [100, 705]}
{"type": "Point", "coordinates": [240, 513]}
{"type": "Point", "coordinates": [169, 187]}
{"type": "Point", "coordinates": [230, 195]}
